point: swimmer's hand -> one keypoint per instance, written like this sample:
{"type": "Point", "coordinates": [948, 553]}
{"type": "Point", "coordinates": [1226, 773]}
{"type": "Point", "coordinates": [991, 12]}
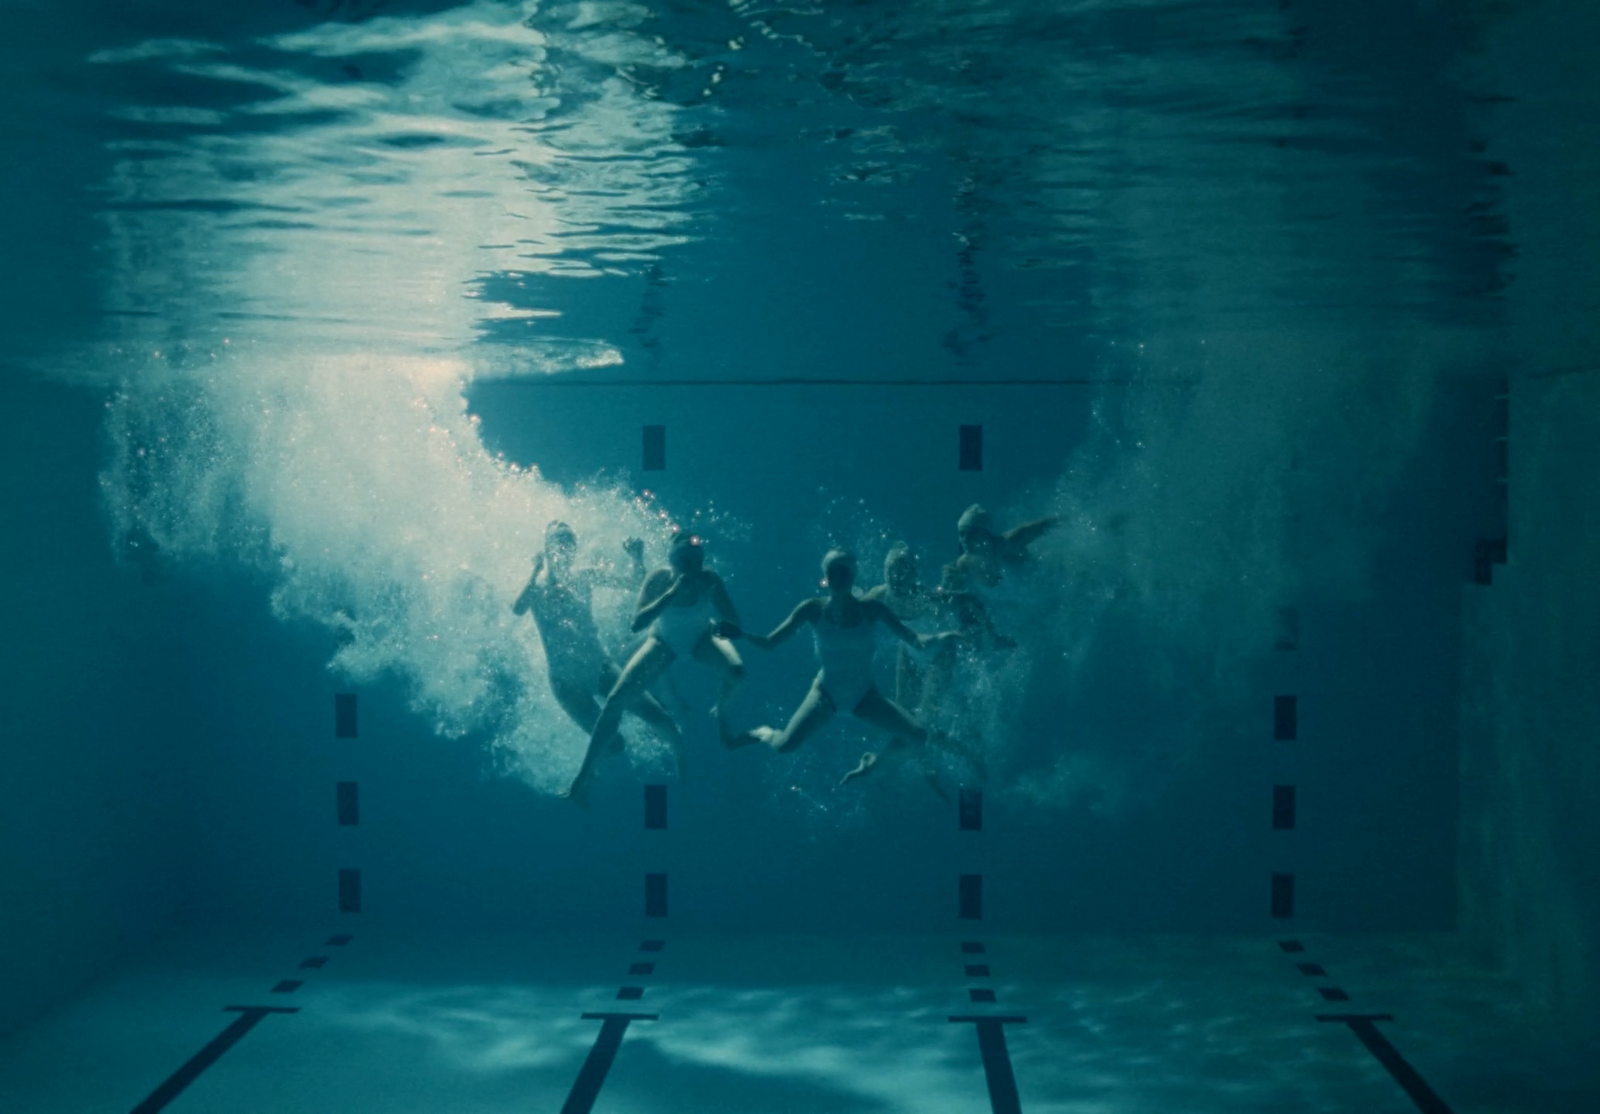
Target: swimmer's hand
{"type": "Point", "coordinates": [926, 640]}
{"type": "Point", "coordinates": [727, 628]}
{"type": "Point", "coordinates": [634, 547]}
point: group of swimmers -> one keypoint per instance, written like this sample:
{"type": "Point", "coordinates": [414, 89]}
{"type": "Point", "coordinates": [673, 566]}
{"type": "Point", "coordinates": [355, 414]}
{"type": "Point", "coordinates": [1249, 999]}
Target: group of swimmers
{"type": "Point", "coordinates": [686, 612]}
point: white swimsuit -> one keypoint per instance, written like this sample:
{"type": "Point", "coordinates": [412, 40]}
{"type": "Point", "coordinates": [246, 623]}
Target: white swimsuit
{"type": "Point", "coordinates": [846, 656]}
{"type": "Point", "coordinates": [681, 628]}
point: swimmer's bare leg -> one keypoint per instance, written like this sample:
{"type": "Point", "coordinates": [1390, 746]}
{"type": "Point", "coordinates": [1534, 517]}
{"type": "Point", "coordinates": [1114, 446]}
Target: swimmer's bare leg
{"type": "Point", "coordinates": [908, 693]}
{"type": "Point", "coordinates": [649, 709]}
{"type": "Point", "coordinates": [581, 706]}
{"type": "Point", "coordinates": [720, 654]}
{"type": "Point", "coordinates": [814, 711]}
{"type": "Point", "coordinates": [665, 690]}
{"type": "Point", "coordinates": [645, 665]}
{"type": "Point", "coordinates": [881, 712]}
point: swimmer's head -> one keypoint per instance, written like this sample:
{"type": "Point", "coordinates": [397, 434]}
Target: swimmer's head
{"type": "Point", "coordinates": [900, 568]}
{"type": "Point", "coordinates": [839, 569]}
{"type": "Point", "coordinates": [974, 528]}
{"type": "Point", "coordinates": [560, 542]}
{"type": "Point", "coordinates": [973, 520]}
{"type": "Point", "coordinates": [687, 553]}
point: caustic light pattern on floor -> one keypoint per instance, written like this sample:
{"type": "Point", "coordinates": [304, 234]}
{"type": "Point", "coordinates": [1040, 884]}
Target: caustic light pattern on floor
{"type": "Point", "coordinates": [649, 1023]}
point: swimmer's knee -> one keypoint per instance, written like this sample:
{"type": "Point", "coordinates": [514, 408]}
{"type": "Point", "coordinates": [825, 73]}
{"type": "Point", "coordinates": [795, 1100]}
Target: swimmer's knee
{"type": "Point", "coordinates": [736, 671]}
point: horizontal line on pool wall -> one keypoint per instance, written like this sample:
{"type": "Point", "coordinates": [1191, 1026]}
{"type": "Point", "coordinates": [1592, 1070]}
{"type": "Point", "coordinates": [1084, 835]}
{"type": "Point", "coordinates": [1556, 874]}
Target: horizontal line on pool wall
{"type": "Point", "coordinates": [554, 381]}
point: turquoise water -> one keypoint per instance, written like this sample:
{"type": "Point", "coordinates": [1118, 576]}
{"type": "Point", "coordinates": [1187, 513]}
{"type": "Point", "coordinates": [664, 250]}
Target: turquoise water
{"type": "Point", "coordinates": [376, 294]}
{"type": "Point", "coordinates": [320, 312]}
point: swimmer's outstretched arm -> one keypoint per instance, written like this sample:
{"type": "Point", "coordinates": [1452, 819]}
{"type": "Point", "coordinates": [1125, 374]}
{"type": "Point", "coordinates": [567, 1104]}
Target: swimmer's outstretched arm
{"type": "Point", "coordinates": [878, 611]}
{"type": "Point", "coordinates": [806, 612]}
{"type": "Point", "coordinates": [1015, 541]}
{"type": "Point", "coordinates": [659, 588]}
{"type": "Point", "coordinates": [525, 600]}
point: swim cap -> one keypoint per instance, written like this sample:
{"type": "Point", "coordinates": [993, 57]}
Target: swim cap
{"type": "Point", "coordinates": [836, 556]}
{"type": "Point", "coordinates": [973, 518]}
{"type": "Point", "coordinates": [559, 529]}
{"type": "Point", "coordinates": [898, 552]}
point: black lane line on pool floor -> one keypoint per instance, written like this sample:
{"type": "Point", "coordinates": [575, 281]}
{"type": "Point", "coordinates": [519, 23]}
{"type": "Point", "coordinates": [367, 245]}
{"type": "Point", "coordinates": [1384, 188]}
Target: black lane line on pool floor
{"type": "Point", "coordinates": [250, 1017]}
{"type": "Point", "coordinates": [997, 1071]}
{"type": "Point", "coordinates": [596, 1066]}
{"type": "Point", "coordinates": [593, 1074]}
{"type": "Point", "coordinates": [1364, 1026]}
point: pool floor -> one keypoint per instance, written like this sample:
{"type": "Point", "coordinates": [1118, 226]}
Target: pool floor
{"type": "Point", "coordinates": [646, 1021]}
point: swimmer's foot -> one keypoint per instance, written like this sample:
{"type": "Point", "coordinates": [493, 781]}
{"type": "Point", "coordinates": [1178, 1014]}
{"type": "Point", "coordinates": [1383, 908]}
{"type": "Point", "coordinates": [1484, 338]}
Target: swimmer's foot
{"type": "Point", "coordinates": [868, 763]}
{"type": "Point", "coordinates": [578, 791]}
{"type": "Point", "coordinates": [937, 785]}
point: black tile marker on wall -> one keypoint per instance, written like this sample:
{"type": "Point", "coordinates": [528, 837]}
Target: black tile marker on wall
{"type": "Point", "coordinates": [971, 810]}
{"type": "Point", "coordinates": [970, 904]}
{"type": "Point", "coordinates": [349, 891]}
{"type": "Point", "coordinates": [971, 459]}
{"type": "Point", "coordinates": [1288, 629]}
{"type": "Point", "coordinates": [1283, 896]}
{"type": "Point", "coordinates": [655, 806]}
{"type": "Point", "coordinates": [1285, 717]}
{"type": "Point", "coordinates": [655, 448]}
{"type": "Point", "coordinates": [655, 895]}
{"type": "Point", "coordinates": [348, 800]}
{"type": "Point", "coordinates": [1282, 807]}
{"type": "Point", "coordinates": [344, 715]}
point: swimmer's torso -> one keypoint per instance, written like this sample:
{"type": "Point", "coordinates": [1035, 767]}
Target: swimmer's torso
{"type": "Point", "coordinates": [566, 623]}
{"type": "Point", "coordinates": [683, 622]}
{"type": "Point", "coordinates": [845, 653]}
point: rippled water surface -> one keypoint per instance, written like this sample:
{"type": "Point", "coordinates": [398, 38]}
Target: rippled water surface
{"type": "Point", "coordinates": [1015, 188]}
